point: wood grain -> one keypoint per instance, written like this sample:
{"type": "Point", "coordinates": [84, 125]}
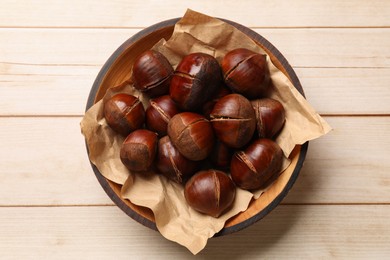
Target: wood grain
{"type": "Point", "coordinates": [45, 157]}
{"type": "Point", "coordinates": [341, 47]}
{"type": "Point", "coordinates": [52, 206]}
{"type": "Point", "coordinates": [105, 232]}
{"type": "Point", "coordinates": [266, 13]}
{"type": "Point", "coordinates": [330, 91]}
{"type": "Point", "coordinates": [27, 68]}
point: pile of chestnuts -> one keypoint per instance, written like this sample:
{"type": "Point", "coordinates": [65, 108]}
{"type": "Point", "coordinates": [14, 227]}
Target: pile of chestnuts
{"type": "Point", "coordinates": [209, 126]}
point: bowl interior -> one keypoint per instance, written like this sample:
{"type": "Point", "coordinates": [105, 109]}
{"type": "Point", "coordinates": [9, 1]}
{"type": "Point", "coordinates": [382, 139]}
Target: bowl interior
{"type": "Point", "coordinates": [117, 70]}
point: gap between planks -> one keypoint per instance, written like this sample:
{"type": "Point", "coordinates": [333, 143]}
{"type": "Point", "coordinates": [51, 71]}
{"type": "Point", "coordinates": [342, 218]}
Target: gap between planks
{"type": "Point", "coordinates": [113, 205]}
{"type": "Point", "coordinates": [143, 27]}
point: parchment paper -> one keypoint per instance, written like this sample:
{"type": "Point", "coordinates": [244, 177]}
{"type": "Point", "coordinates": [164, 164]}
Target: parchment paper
{"type": "Point", "coordinates": [175, 220]}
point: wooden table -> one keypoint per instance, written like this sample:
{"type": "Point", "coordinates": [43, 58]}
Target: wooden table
{"type": "Point", "coordinates": [52, 206]}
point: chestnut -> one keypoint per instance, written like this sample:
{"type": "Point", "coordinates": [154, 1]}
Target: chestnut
{"type": "Point", "coordinates": [252, 168]}
{"type": "Point", "coordinates": [210, 192]}
{"type": "Point", "coordinates": [152, 73]}
{"type": "Point", "coordinates": [233, 120]}
{"type": "Point", "coordinates": [195, 80]}
{"type": "Point", "coordinates": [221, 155]}
{"type": "Point", "coordinates": [270, 116]}
{"type": "Point", "coordinates": [158, 114]}
{"type": "Point", "coordinates": [246, 72]}
{"type": "Point", "coordinates": [192, 134]}
{"type": "Point", "coordinates": [139, 149]}
{"type": "Point", "coordinates": [173, 164]}
{"type": "Point", "coordinates": [124, 113]}
{"type": "Point", "coordinates": [208, 106]}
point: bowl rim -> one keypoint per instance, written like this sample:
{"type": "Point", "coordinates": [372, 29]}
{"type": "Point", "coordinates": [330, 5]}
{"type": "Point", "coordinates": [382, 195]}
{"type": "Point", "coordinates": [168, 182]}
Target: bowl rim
{"type": "Point", "coordinates": [171, 22]}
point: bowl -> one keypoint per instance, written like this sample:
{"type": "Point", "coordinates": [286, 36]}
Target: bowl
{"type": "Point", "coordinates": [117, 69]}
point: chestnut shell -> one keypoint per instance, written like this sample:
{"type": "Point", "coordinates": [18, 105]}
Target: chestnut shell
{"type": "Point", "coordinates": [210, 192]}
{"type": "Point", "coordinates": [124, 113]}
{"type": "Point", "coordinates": [195, 80]}
{"type": "Point", "coordinates": [158, 114]}
{"type": "Point", "coordinates": [192, 134]}
{"type": "Point", "coordinates": [252, 168]}
{"type": "Point", "coordinates": [246, 72]}
{"type": "Point", "coordinates": [139, 149]}
{"type": "Point", "coordinates": [152, 73]}
{"type": "Point", "coordinates": [270, 117]}
{"type": "Point", "coordinates": [173, 164]}
{"type": "Point", "coordinates": [233, 120]}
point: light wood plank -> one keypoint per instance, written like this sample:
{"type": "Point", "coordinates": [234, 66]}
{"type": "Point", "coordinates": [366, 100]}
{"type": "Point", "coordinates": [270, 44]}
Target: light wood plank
{"type": "Point", "coordinates": [363, 47]}
{"type": "Point", "coordinates": [65, 89]}
{"type": "Point", "coordinates": [349, 165]}
{"type": "Point", "coordinates": [268, 13]}
{"type": "Point", "coordinates": [45, 159]}
{"type": "Point", "coordinates": [347, 91]}
{"type": "Point", "coordinates": [44, 162]}
{"type": "Point", "coordinates": [106, 232]}
{"type": "Point", "coordinates": [70, 69]}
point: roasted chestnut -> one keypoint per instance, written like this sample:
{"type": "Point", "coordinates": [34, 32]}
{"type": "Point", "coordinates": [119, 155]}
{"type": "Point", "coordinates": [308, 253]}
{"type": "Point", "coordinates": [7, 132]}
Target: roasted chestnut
{"type": "Point", "coordinates": [270, 116]}
{"type": "Point", "coordinates": [139, 149]}
{"type": "Point", "coordinates": [246, 72]}
{"type": "Point", "coordinates": [221, 155]}
{"type": "Point", "coordinates": [210, 192]}
{"type": "Point", "coordinates": [173, 164]}
{"type": "Point", "coordinates": [158, 114]}
{"type": "Point", "coordinates": [152, 73]}
{"type": "Point", "coordinates": [233, 120]}
{"type": "Point", "coordinates": [124, 113]}
{"type": "Point", "coordinates": [192, 134]}
{"type": "Point", "coordinates": [252, 168]}
{"type": "Point", "coordinates": [195, 80]}
{"type": "Point", "coordinates": [208, 106]}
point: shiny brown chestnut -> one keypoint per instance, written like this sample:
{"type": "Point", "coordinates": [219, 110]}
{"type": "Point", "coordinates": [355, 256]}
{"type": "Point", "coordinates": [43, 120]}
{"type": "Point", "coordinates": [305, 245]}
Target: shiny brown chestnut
{"type": "Point", "coordinates": [210, 192]}
{"type": "Point", "coordinates": [139, 149]}
{"type": "Point", "coordinates": [233, 120]}
{"type": "Point", "coordinates": [173, 164]}
{"type": "Point", "coordinates": [124, 113]}
{"type": "Point", "coordinates": [195, 80]}
{"type": "Point", "coordinates": [252, 168]}
{"type": "Point", "coordinates": [152, 73]}
{"type": "Point", "coordinates": [246, 72]}
{"type": "Point", "coordinates": [158, 114]}
{"type": "Point", "coordinates": [192, 134]}
{"type": "Point", "coordinates": [208, 106]}
{"type": "Point", "coordinates": [270, 116]}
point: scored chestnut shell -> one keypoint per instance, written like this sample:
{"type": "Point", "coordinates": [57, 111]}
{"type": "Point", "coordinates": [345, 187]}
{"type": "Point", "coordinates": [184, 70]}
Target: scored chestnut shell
{"type": "Point", "coordinates": [192, 134]}
{"type": "Point", "coordinates": [252, 168]}
{"type": "Point", "coordinates": [139, 149]}
{"type": "Point", "coordinates": [152, 73]}
{"type": "Point", "coordinates": [158, 114]}
{"type": "Point", "coordinates": [195, 80]}
{"type": "Point", "coordinates": [270, 116]}
{"type": "Point", "coordinates": [208, 106]}
{"type": "Point", "coordinates": [210, 192]}
{"type": "Point", "coordinates": [246, 72]}
{"type": "Point", "coordinates": [233, 120]}
{"type": "Point", "coordinates": [124, 113]}
{"type": "Point", "coordinates": [221, 155]}
{"type": "Point", "coordinates": [172, 164]}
